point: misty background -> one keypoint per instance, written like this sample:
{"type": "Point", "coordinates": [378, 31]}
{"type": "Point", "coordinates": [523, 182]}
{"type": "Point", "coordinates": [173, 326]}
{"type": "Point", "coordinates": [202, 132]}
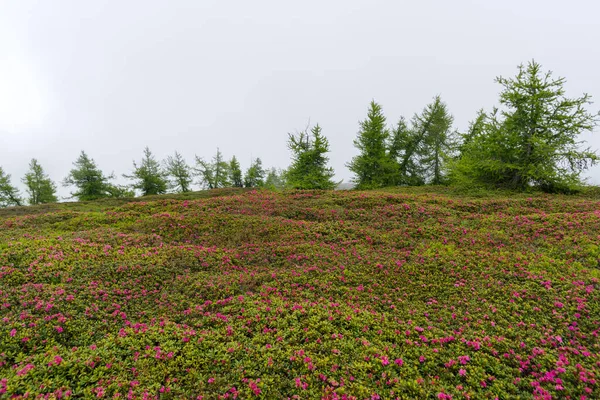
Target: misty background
{"type": "Point", "coordinates": [110, 77]}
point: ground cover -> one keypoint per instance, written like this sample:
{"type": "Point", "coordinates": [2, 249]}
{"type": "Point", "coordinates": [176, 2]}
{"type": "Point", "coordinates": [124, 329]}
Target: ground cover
{"type": "Point", "coordinates": [367, 295]}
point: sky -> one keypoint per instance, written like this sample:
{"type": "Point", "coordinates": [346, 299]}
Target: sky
{"type": "Point", "coordinates": [111, 77]}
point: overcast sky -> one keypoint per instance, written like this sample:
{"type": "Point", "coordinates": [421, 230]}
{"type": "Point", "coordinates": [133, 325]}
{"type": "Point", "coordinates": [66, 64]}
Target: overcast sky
{"type": "Point", "coordinates": [111, 77]}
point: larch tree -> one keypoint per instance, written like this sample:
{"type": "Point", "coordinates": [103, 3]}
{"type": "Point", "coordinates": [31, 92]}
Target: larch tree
{"type": "Point", "coordinates": [148, 176]}
{"type": "Point", "coordinates": [309, 168]}
{"type": "Point", "coordinates": [404, 149]}
{"type": "Point", "coordinates": [438, 138]}
{"type": "Point", "coordinates": [372, 167]}
{"type": "Point", "coordinates": [9, 194]}
{"type": "Point", "coordinates": [213, 174]}
{"type": "Point", "coordinates": [179, 172]}
{"type": "Point", "coordinates": [235, 173]}
{"type": "Point", "coordinates": [533, 139]}
{"type": "Point", "coordinates": [255, 174]}
{"type": "Point", "coordinates": [276, 179]}
{"type": "Point", "coordinates": [40, 187]}
{"type": "Point", "coordinates": [90, 182]}
{"type": "Point", "coordinates": [476, 129]}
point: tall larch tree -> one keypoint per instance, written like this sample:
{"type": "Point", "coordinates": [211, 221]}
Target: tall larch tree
{"type": "Point", "coordinates": [438, 138]}
{"type": "Point", "coordinates": [40, 187]}
{"type": "Point", "coordinates": [405, 149]}
{"type": "Point", "coordinates": [373, 167]}
{"type": "Point", "coordinates": [235, 173]}
{"type": "Point", "coordinates": [179, 173]}
{"type": "Point", "coordinates": [213, 174]}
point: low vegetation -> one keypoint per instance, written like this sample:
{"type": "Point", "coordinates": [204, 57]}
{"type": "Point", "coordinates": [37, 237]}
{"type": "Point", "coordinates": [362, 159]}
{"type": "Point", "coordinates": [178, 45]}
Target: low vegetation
{"type": "Point", "coordinates": [400, 293]}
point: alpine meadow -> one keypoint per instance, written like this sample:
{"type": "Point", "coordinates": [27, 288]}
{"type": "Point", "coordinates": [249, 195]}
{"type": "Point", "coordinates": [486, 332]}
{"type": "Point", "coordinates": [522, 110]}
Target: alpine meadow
{"type": "Point", "coordinates": [455, 264]}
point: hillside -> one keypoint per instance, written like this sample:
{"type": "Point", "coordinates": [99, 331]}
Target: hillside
{"type": "Point", "coordinates": [339, 295]}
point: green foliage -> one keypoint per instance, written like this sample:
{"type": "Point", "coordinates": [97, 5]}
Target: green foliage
{"type": "Point", "coordinates": [309, 168]}
{"type": "Point", "coordinates": [476, 129]}
{"type": "Point", "coordinates": [373, 167]}
{"type": "Point", "coordinates": [40, 187]}
{"type": "Point", "coordinates": [89, 181]}
{"type": "Point", "coordinates": [405, 149]}
{"type": "Point", "coordinates": [255, 174]}
{"type": "Point", "coordinates": [9, 194]}
{"type": "Point", "coordinates": [532, 140]}
{"type": "Point", "coordinates": [435, 123]}
{"type": "Point", "coordinates": [214, 174]}
{"type": "Point", "coordinates": [179, 172]}
{"type": "Point", "coordinates": [422, 150]}
{"type": "Point", "coordinates": [149, 177]}
{"type": "Point", "coordinates": [235, 173]}
{"type": "Point", "coordinates": [276, 179]}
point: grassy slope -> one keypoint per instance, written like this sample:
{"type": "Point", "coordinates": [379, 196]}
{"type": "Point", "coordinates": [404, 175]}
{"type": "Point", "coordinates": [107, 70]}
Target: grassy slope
{"type": "Point", "coordinates": [412, 293]}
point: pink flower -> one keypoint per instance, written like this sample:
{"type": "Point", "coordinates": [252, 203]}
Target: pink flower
{"type": "Point", "coordinates": [25, 370]}
{"type": "Point", "coordinates": [385, 360]}
{"type": "Point", "coordinates": [211, 380]}
{"type": "Point", "coordinates": [399, 362]}
{"type": "Point", "coordinates": [462, 372]}
{"type": "Point", "coordinates": [59, 329]}
{"type": "Point", "coordinates": [13, 332]}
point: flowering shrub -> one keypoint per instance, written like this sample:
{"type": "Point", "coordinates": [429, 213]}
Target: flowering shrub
{"type": "Point", "coordinates": [334, 295]}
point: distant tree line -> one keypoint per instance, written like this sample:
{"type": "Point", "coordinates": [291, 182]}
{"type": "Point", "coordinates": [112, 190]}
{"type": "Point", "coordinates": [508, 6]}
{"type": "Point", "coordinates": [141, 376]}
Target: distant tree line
{"type": "Point", "coordinates": [530, 141]}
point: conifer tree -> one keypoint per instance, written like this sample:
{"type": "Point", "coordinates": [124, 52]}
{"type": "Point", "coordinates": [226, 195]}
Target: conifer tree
{"type": "Point", "coordinates": [235, 173]}
{"type": "Point", "coordinates": [439, 142]}
{"type": "Point", "coordinates": [179, 172]}
{"type": "Point", "coordinates": [276, 179]}
{"type": "Point", "coordinates": [255, 174]}
{"type": "Point", "coordinates": [476, 129]}
{"type": "Point", "coordinates": [221, 170]}
{"type": "Point", "coordinates": [148, 176]}
{"type": "Point", "coordinates": [9, 194]}
{"type": "Point", "coordinates": [214, 174]}
{"type": "Point", "coordinates": [373, 167]}
{"type": "Point", "coordinates": [309, 168]}
{"type": "Point", "coordinates": [405, 150]}
{"type": "Point", "coordinates": [90, 182]}
{"type": "Point", "coordinates": [533, 139]}
{"type": "Point", "coordinates": [40, 187]}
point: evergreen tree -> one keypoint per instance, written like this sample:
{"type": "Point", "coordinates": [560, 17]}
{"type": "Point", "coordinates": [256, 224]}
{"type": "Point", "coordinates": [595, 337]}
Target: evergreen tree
{"type": "Point", "coordinates": [221, 170]}
{"type": "Point", "coordinates": [9, 195]}
{"type": "Point", "coordinates": [436, 124]}
{"type": "Point", "coordinates": [90, 181]}
{"type": "Point", "coordinates": [255, 174]}
{"type": "Point", "coordinates": [405, 150]}
{"type": "Point", "coordinates": [532, 141]}
{"type": "Point", "coordinates": [476, 129]}
{"type": "Point", "coordinates": [149, 176]}
{"type": "Point", "coordinates": [214, 174]}
{"type": "Point", "coordinates": [40, 187]}
{"type": "Point", "coordinates": [204, 171]}
{"type": "Point", "coordinates": [235, 173]}
{"type": "Point", "coordinates": [309, 168]}
{"type": "Point", "coordinates": [276, 179]}
{"type": "Point", "coordinates": [179, 172]}
{"type": "Point", "coordinates": [373, 167]}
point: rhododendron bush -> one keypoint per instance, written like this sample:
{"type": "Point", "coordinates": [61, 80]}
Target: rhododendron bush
{"type": "Point", "coordinates": [335, 295]}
